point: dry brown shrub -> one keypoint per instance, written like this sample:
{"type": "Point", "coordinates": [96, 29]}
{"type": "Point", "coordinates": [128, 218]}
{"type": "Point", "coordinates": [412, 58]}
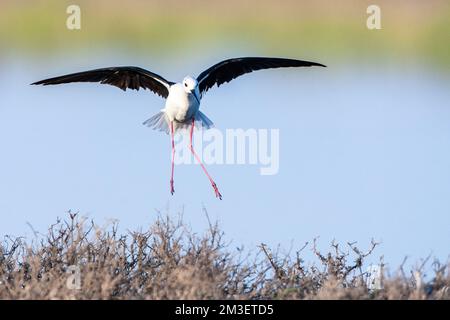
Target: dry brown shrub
{"type": "Point", "coordinates": [169, 261]}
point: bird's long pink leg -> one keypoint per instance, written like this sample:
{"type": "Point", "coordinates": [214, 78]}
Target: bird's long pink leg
{"type": "Point", "coordinates": [172, 190]}
{"type": "Point", "coordinates": [216, 190]}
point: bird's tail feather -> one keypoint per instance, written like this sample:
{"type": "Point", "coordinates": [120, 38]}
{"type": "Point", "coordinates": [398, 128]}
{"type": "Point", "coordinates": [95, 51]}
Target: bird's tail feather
{"type": "Point", "coordinates": [201, 120]}
{"type": "Point", "coordinates": [160, 122]}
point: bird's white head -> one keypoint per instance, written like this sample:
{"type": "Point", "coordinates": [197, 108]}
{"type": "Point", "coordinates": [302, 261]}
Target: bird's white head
{"type": "Point", "coordinates": [189, 84]}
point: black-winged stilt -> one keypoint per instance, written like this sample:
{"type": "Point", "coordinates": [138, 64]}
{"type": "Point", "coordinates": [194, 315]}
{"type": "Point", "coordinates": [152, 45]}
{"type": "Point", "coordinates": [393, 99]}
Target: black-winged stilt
{"type": "Point", "coordinates": [183, 98]}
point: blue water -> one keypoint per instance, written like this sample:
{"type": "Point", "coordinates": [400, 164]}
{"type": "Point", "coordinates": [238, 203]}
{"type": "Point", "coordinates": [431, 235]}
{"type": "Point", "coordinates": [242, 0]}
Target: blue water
{"type": "Point", "coordinates": [365, 153]}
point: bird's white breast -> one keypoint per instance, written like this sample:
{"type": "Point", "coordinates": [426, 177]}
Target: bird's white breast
{"type": "Point", "coordinates": [180, 105]}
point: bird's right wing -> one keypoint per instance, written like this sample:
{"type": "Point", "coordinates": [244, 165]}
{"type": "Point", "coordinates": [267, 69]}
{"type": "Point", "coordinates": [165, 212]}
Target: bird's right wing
{"type": "Point", "coordinates": [229, 69]}
{"type": "Point", "coordinates": [121, 77]}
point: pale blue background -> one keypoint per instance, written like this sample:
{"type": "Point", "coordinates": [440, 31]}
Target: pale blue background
{"type": "Point", "coordinates": [365, 152]}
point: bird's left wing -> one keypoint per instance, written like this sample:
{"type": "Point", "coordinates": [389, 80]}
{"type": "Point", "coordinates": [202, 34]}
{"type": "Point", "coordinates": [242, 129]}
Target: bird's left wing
{"type": "Point", "coordinates": [121, 77]}
{"type": "Point", "coordinates": [230, 69]}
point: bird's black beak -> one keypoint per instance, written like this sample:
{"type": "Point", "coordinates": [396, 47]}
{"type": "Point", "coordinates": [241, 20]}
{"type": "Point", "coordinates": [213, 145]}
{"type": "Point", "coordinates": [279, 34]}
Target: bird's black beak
{"type": "Point", "coordinates": [195, 96]}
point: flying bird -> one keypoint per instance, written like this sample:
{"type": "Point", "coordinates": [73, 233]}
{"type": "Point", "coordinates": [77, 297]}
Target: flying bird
{"type": "Point", "coordinates": [182, 98]}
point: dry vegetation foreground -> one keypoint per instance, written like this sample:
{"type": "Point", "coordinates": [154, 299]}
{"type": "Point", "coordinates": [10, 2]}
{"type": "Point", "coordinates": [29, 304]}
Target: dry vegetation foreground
{"type": "Point", "coordinates": [78, 260]}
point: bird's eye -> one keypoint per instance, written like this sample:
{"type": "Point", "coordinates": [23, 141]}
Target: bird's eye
{"type": "Point", "coordinates": [185, 84]}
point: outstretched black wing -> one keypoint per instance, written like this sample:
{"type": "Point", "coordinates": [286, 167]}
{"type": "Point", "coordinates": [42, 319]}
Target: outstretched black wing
{"type": "Point", "coordinates": [230, 69]}
{"type": "Point", "coordinates": [121, 77]}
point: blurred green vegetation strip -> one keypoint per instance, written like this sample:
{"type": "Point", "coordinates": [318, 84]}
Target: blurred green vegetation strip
{"type": "Point", "coordinates": [39, 27]}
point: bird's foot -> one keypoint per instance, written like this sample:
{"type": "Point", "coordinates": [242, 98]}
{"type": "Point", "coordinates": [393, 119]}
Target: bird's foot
{"type": "Point", "coordinates": [172, 190]}
{"type": "Point", "coordinates": [216, 190]}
